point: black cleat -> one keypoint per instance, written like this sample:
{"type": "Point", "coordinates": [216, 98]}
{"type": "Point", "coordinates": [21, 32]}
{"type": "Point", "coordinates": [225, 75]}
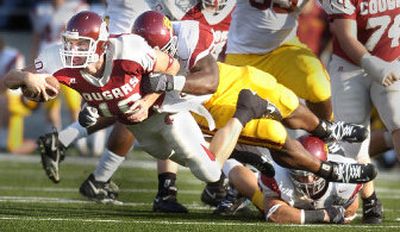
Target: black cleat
{"type": "Point", "coordinates": [168, 204]}
{"type": "Point", "coordinates": [100, 192]}
{"type": "Point", "coordinates": [52, 153]}
{"type": "Point", "coordinates": [349, 132]}
{"type": "Point", "coordinates": [231, 204]}
{"type": "Point", "coordinates": [352, 172]}
{"type": "Point", "coordinates": [334, 147]}
{"type": "Point", "coordinates": [251, 106]}
{"type": "Point", "coordinates": [213, 195]}
{"type": "Point", "coordinates": [261, 163]}
{"type": "Point", "coordinates": [372, 212]}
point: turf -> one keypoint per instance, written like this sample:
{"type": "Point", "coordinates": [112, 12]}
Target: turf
{"type": "Point", "coordinates": [31, 202]}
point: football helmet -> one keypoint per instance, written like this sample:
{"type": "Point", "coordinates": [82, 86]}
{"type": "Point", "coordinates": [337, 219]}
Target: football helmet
{"type": "Point", "coordinates": [213, 6]}
{"type": "Point", "coordinates": [84, 40]}
{"type": "Point", "coordinates": [157, 30]}
{"type": "Point", "coordinates": [306, 182]}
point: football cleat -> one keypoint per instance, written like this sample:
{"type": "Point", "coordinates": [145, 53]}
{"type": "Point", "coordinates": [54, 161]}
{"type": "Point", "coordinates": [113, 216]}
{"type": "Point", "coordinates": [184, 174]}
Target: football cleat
{"type": "Point", "coordinates": [213, 195]}
{"type": "Point", "coordinates": [372, 212]}
{"type": "Point", "coordinates": [334, 147]}
{"type": "Point", "coordinates": [352, 172]}
{"type": "Point", "coordinates": [349, 132]}
{"type": "Point", "coordinates": [52, 153]}
{"type": "Point", "coordinates": [100, 192]}
{"type": "Point", "coordinates": [231, 204]}
{"type": "Point", "coordinates": [168, 204]}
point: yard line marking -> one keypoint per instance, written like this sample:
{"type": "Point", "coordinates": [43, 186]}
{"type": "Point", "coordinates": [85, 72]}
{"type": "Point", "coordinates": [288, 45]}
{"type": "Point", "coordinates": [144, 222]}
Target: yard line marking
{"type": "Point", "coordinates": [134, 221]}
{"type": "Point", "coordinates": [75, 190]}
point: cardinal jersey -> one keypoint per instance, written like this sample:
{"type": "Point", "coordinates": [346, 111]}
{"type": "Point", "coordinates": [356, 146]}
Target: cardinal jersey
{"type": "Point", "coordinates": [119, 87]}
{"type": "Point", "coordinates": [281, 186]}
{"type": "Point", "coordinates": [258, 28]}
{"type": "Point", "coordinates": [378, 25]}
{"type": "Point", "coordinates": [218, 22]}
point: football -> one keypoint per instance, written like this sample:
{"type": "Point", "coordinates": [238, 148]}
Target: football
{"type": "Point", "coordinates": [34, 96]}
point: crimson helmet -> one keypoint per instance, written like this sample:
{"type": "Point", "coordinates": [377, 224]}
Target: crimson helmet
{"type": "Point", "coordinates": [214, 6]}
{"type": "Point", "coordinates": [84, 40]}
{"type": "Point", "coordinates": [306, 182]}
{"type": "Point", "coordinates": [157, 30]}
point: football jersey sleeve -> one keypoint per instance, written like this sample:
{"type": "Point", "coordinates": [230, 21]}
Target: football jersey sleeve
{"type": "Point", "coordinates": [204, 45]}
{"type": "Point", "coordinates": [135, 48]}
{"type": "Point", "coordinates": [344, 9]}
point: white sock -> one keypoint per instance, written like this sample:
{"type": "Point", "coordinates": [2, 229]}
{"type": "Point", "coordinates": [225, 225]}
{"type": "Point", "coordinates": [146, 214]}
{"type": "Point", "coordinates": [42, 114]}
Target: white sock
{"type": "Point", "coordinates": [107, 165]}
{"type": "Point", "coordinates": [72, 133]}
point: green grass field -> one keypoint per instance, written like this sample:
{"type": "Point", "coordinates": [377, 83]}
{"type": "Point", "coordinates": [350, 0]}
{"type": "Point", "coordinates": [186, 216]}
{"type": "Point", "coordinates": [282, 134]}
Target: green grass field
{"type": "Point", "coordinates": [31, 202]}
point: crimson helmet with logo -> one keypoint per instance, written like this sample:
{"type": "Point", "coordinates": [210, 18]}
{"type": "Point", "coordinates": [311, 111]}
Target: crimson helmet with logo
{"type": "Point", "coordinates": [157, 30]}
{"type": "Point", "coordinates": [84, 40]}
{"type": "Point", "coordinates": [306, 182]}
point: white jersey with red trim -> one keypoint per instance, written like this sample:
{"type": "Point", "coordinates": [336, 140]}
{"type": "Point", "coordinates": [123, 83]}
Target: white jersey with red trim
{"type": "Point", "coordinates": [281, 186]}
{"type": "Point", "coordinates": [219, 23]}
{"type": "Point", "coordinates": [258, 26]}
{"type": "Point", "coordinates": [173, 9]}
{"type": "Point", "coordinates": [378, 25]}
{"type": "Point", "coordinates": [128, 58]}
{"type": "Point", "coordinates": [50, 22]}
{"type": "Point", "coordinates": [195, 41]}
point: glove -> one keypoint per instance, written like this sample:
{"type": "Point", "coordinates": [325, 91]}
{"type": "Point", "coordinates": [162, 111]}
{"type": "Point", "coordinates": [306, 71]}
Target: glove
{"type": "Point", "coordinates": [385, 73]}
{"type": "Point", "coordinates": [158, 82]}
{"type": "Point", "coordinates": [88, 116]}
{"type": "Point", "coordinates": [336, 214]}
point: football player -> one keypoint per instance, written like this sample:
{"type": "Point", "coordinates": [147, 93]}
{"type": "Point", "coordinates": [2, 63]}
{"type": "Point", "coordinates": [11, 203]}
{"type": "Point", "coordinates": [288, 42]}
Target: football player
{"type": "Point", "coordinates": [108, 72]}
{"type": "Point", "coordinates": [49, 20]}
{"type": "Point", "coordinates": [365, 70]}
{"type": "Point", "coordinates": [300, 197]}
{"type": "Point", "coordinates": [263, 35]}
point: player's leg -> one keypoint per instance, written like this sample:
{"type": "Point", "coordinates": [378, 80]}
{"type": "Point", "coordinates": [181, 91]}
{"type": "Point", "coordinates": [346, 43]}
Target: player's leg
{"type": "Point", "coordinates": [167, 189]}
{"type": "Point", "coordinates": [52, 145]}
{"type": "Point", "coordinates": [351, 102]}
{"type": "Point", "coordinates": [98, 186]}
{"type": "Point", "coordinates": [386, 100]}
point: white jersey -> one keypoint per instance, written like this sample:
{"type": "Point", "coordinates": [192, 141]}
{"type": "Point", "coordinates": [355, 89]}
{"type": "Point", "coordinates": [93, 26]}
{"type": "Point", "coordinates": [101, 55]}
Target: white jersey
{"type": "Point", "coordinates": [123, 13]}
{"type": "Point", "coordinates": [50, 22]}
{"type": "Point", "coordinates": [256, 28]}
{"type": "Point", "coordinates": [281, 186]}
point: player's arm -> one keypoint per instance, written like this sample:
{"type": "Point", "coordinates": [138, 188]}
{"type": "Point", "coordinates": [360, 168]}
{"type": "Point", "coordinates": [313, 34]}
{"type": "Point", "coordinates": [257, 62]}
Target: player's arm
{"type": "Point", "coordinates": [203, 77]}
{"type": "Point", "coordinates": [279, 211]}
{"type": "Point", "coordinates": [381, 71]}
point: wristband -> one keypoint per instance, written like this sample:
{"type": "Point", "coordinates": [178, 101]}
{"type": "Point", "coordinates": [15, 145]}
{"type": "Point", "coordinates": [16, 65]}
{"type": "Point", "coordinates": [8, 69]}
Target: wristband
{"type": "Point", "coordinates": [179, 82]}
{"type": "Point", "coordinates": [313, 216]}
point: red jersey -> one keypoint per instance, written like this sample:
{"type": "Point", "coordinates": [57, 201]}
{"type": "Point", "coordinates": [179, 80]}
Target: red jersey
{"type": "Point", "coordinates": [219, 23]}
{"type": "Point", "coordinates": [128, 58]}
{"type": "Point", "coordinates": [378, 25]}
